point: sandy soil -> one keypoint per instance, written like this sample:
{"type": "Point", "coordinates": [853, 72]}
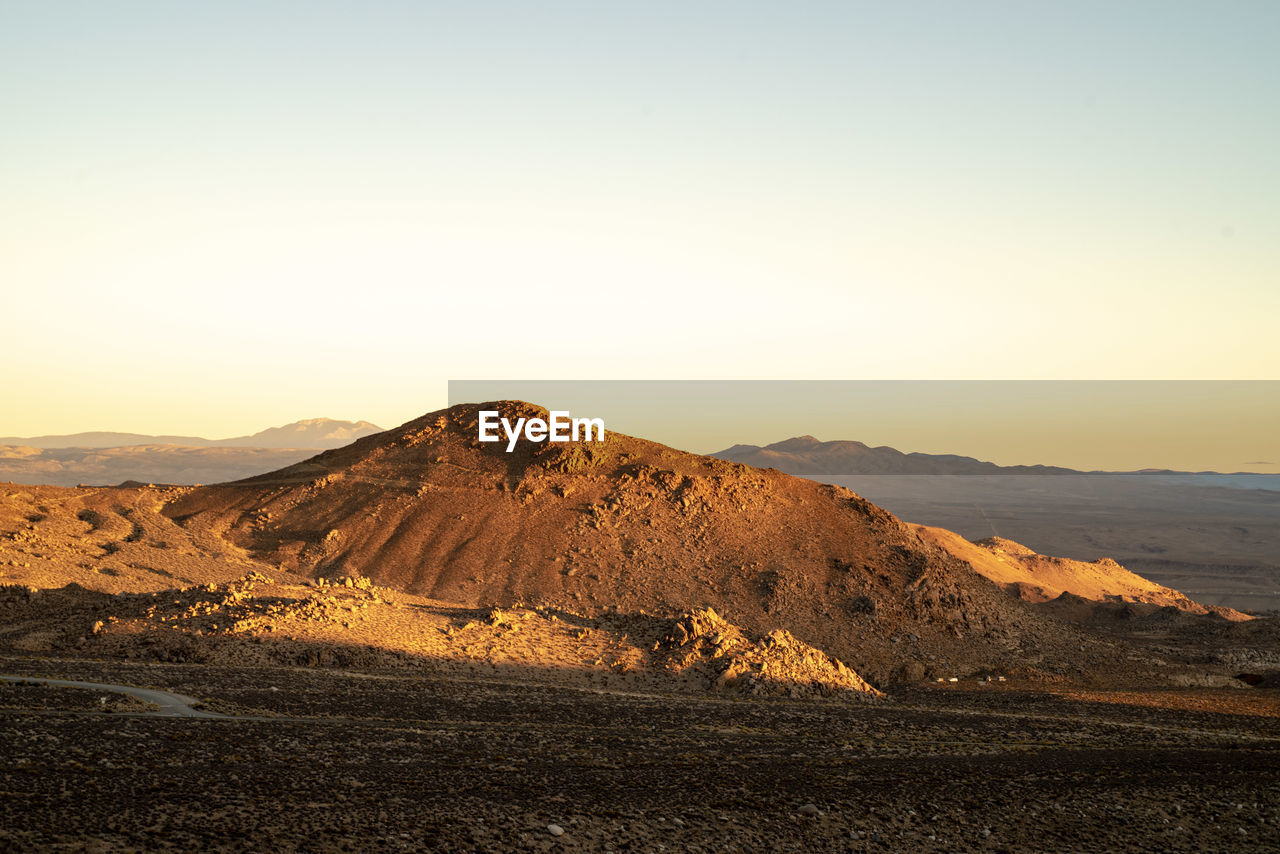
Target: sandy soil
{"type": "Point", "coordinates": [1039, 578]}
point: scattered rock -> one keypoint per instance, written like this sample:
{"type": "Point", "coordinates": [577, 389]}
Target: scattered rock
{"type": "Point", "coordinates": [777, 664]}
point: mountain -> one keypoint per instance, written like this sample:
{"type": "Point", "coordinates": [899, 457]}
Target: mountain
{"type": "Point", "coordinates": [308, 433]}
{"type": "Point", "coordinates": [626, 524]}
{"type": "Point", "coordinates": [314, 433]}
{"type": "Point", "coordinates": [108, 458]}
{"type": "Point", "coordinates": [623, 533]}
{"type": "Point", "coordinates": [805, 455]}
{"type": "Point", "coordinates": [102, 440]}
{"type": "Point", "coordinates": [601, 685]}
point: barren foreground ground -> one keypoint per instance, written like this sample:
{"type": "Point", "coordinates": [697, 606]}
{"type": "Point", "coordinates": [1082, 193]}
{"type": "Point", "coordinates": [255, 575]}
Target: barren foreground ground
{"type": "Point", "coordinates": [327, 760]}
{"type": "Point", "coordinates": [418, 643]}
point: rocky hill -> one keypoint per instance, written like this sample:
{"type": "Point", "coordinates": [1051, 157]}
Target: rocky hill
{"type": "Point", "coordinates": [632, 525]}
{"type": "Point", "coordinates": [702, 569]}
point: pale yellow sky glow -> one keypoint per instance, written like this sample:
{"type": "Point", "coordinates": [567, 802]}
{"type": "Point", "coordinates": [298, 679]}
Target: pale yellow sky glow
{"type": "Point", "coordinates": [210, 225]}
{"type": "Point", "coordinates": [1102, 425]}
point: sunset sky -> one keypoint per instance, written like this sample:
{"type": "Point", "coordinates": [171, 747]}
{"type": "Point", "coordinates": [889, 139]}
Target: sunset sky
{"type": "Point", "coordinates": [1090, 425]}
{"type": "Point", "coordinates": [219, 217]}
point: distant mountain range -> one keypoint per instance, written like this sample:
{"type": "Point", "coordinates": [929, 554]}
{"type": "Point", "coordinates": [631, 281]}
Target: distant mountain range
{"type": "Point", "coordinates": [805, 455]}
{"type": "Point", "coordinates": [109, 458]}
{"type": "Point", "coordinates": [112, 458]}
{"type": "Point", "coordinates": [316, 433]}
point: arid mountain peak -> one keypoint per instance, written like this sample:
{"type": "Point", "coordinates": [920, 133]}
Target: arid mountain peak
{"type": "Point", "coordinates": [625, 523]}
{"type": "Point", "coordinates": [307, 433]}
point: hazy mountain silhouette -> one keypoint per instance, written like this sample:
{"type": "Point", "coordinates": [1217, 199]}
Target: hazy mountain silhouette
{"type": "Point", "coordinates": [309, 433]}
{"type": "Point", "coordinates": [807, 455]}
{"type": "Point", "coordinates": [111, 458]}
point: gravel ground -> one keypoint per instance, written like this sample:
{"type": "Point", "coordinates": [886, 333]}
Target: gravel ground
{"type": "Point", "coordinates": [355, 762]}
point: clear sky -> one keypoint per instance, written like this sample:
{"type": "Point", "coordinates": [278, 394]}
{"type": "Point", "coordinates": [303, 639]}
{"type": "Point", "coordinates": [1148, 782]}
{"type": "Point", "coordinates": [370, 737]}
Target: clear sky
{"type": "Point", "coordinates": [216, 217]}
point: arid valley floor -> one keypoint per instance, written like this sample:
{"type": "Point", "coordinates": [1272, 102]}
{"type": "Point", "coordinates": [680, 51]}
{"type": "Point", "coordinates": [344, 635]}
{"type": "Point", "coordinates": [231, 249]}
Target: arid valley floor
{"type": "Point", "coordinates": [331, 760]}
{"type": "Point", "coordinates": [414, 643]}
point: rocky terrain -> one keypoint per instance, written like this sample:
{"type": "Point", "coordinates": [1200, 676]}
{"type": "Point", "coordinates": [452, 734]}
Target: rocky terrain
{"type": "Point", "coordinates": [255, 621]}
{"type": "Point", "coordinates": [1214, 537]}
{"type": "Point", "coordinates": [632, 525]}
{"type": "Point", "coordinates": [624, 527]}
{"type": "Point", "coordinates": [419, 642]}
{"type": "Point", "coordinates": [330, 759]}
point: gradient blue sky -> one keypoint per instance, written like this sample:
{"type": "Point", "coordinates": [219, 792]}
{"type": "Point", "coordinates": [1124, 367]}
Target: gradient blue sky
{"type": "Point", "coordinates": [217, 217]}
